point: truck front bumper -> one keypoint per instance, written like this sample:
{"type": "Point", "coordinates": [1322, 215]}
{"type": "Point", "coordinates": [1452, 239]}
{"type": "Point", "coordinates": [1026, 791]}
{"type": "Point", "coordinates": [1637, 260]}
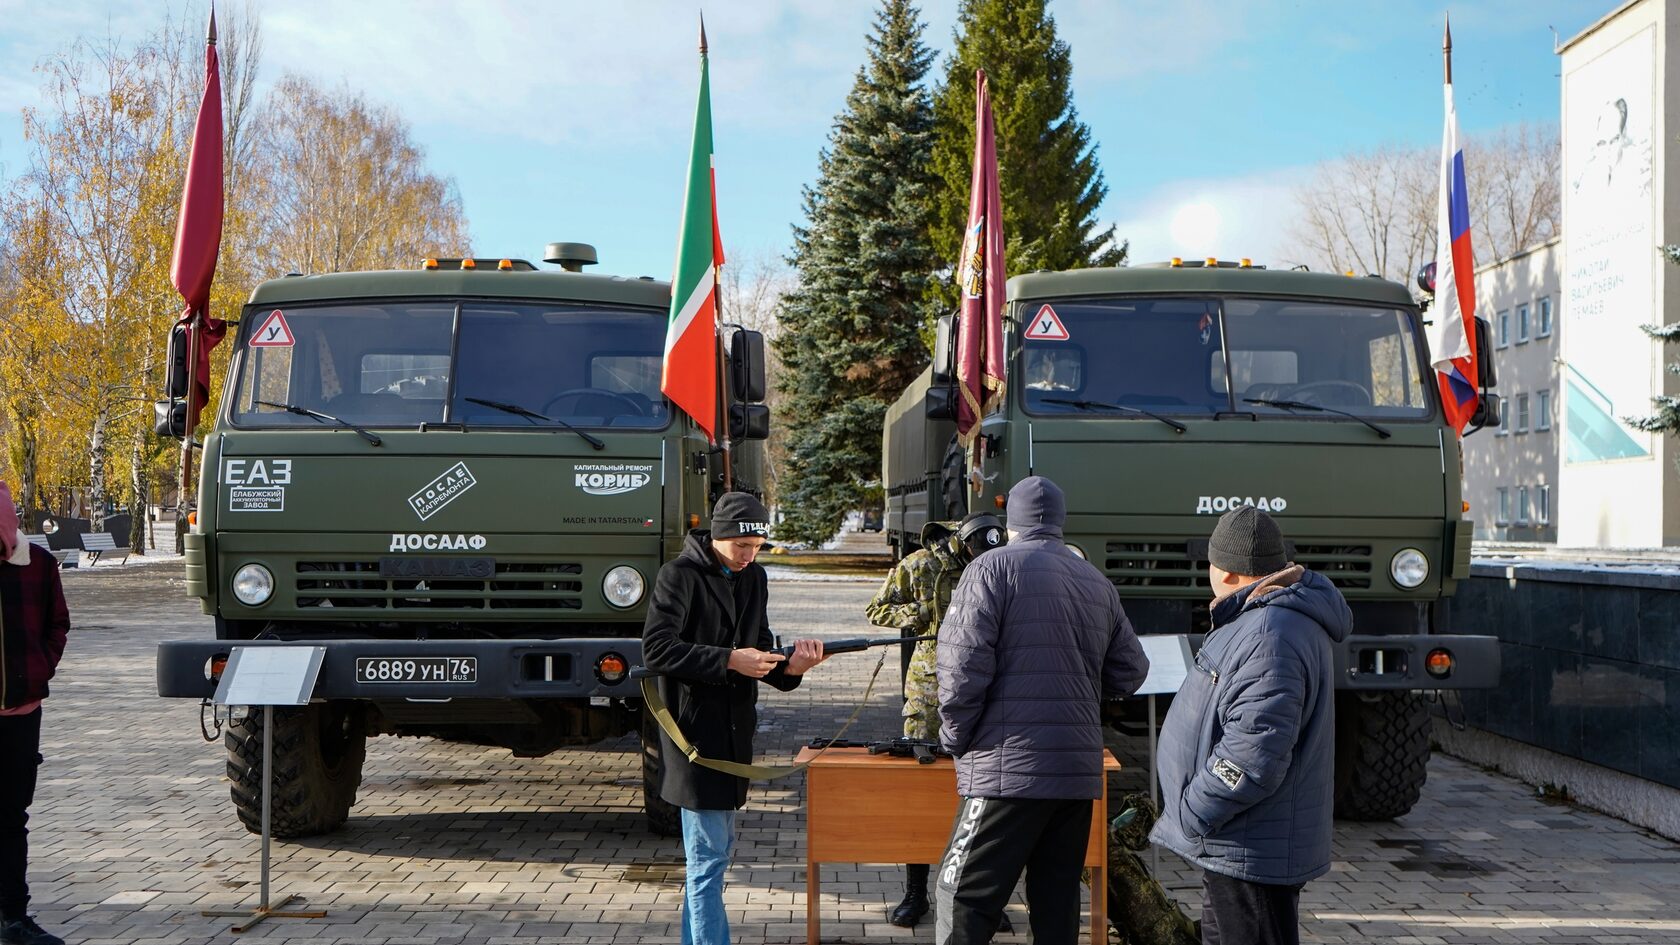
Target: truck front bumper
{"type": "Point", "coordinates": [502, 669]}
{"type": "Point", "coordinates": [1399, 661]}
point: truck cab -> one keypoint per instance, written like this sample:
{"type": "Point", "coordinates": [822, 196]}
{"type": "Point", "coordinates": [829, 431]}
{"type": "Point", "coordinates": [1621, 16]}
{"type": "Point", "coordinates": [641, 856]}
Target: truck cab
{"type": "Point", "coordinates": [461, 480]}
{"type": "Point", "coordinates": [1159, 397]}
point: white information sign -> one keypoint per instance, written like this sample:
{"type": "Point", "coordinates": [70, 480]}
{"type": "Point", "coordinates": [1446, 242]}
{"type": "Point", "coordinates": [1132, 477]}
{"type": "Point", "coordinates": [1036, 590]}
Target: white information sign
{"type": "Point", "coordinates": [270, 675]}
{"type": "Point", "coordinates": [1169, 662]}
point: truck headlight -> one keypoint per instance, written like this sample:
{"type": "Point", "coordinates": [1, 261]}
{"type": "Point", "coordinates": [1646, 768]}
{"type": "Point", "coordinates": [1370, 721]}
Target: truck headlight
{"type": "Point", "coordinates": [1078, 551]}
{"type": "Point", "coordinates": [253, 584]}
{"type": "Point", "coordinates": [1409, 567]}
{"type": "Point", "coordinates": [623, 586]}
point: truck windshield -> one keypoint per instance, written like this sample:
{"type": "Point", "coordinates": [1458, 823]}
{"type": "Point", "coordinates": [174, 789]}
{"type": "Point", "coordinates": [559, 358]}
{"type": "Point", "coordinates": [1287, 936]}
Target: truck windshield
{"type": "Point", "coordinates": [399, 364]}
{"type": "Point", "coordinates": [1169, 356]}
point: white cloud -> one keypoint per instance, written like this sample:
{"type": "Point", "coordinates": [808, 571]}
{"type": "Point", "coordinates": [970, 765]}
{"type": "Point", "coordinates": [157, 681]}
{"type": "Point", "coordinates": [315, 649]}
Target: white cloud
{"type": "Point", "coordinates": [1230, 218]}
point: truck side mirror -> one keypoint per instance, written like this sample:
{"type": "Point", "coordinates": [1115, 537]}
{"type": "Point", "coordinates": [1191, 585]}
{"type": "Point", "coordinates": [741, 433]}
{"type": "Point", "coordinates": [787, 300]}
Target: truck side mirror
{"type": "Point", "coordinates": [749, 422]}
{"type": "Point", "coordinates": [746, 366]}
{"type": "Point", "coordinates": [944, 350]}
{"type": "Point", "coordinates": [1486, 413]}
{"type": "Point", "coordinates": [175, 364]}
{"type": "Point", "coordinates": [1486, 377]}
{"type": "Point", "coordinates": [171, 418]}
{"type": "Point", "coordinates": [941, 403]}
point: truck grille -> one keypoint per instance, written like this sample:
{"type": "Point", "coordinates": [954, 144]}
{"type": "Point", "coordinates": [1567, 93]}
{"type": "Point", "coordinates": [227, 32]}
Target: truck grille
{"type": "Point", "coordinates": [515, 586]}
{"type": "Point", "coordinates": [1171, 563]}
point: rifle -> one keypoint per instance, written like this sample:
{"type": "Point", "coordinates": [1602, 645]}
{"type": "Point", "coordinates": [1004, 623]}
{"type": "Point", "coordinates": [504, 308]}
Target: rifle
{"type": "Point", "coordinates": [920, 749]}
{"type": "Point", "coordinates": [830, 647]}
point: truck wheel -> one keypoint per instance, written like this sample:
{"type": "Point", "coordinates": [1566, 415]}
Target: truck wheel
{"type": "Point", "coordinates": [953, 482]}
{"type": "Point", "coordinates": [318, 754]}
{"type": "Point", "coordinates": [665, 820]}
{"type": "Point", "coordinates": [1382, 754]}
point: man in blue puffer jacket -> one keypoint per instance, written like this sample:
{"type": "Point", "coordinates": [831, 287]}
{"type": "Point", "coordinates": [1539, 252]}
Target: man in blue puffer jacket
{"type": "Point", "coordinates": [1247, 751]}
{"type": "Point", "coordinates": [1033, 642]}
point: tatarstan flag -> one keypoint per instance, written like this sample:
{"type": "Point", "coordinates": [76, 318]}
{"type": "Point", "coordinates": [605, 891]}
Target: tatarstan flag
{"type": "Point", "coordinates": [691, 357]}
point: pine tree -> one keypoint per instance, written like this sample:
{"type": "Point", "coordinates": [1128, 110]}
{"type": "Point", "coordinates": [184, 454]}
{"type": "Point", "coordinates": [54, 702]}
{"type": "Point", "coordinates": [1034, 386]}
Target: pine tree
{"type": "Point", "coordinates": [1667, 416]}
{"type": "Point", "coordinates": [851, 332]}
{"type": "Point", "coordinates": [1047, 167]}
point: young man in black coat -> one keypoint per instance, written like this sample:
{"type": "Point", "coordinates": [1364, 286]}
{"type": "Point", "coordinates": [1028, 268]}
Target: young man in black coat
{"type": "Point", "coordinates": [708, 635]}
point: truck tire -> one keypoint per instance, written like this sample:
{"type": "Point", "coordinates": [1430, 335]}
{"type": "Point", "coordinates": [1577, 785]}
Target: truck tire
{"type": "Point", "coordinates": [665, 820]}
{"type": "Point", "coordinates": [1382, 754]}
{"type": "Point", "coordinates": [953, 482]}
{"type": "Point", "coordinates": [318, 754]}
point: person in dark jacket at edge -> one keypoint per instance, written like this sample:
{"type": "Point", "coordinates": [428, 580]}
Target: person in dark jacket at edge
{"type": "Point", "coordinates": [1247, 750]}
{"type": "Point", "coordinates": [708, 635]}
{"type": "Point", "coordinates": [1034, 641]}
{"type": "Point", "coordinates": [34, 625]}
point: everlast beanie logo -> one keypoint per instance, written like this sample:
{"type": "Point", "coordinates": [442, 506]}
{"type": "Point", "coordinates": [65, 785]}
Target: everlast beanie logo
{"type": "Point", "coordinates": [612, 478]}
{"type": "Point", "coordinates": [753, 528]}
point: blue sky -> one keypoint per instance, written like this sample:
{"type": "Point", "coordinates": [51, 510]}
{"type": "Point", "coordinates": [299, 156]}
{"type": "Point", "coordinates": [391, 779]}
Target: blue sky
{"type": "Point", "coordinates": [571, 121]}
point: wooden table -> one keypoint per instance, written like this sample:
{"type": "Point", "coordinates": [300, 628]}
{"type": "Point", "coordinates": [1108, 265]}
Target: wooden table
{"type": "Point", "coordinates": [863, 808]}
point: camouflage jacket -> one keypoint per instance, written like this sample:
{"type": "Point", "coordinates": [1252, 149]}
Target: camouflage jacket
{"type": "Point", "coordinates": [914, 599]}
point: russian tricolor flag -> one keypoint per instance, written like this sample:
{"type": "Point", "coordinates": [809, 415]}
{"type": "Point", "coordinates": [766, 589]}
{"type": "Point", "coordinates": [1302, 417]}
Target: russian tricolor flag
{"type": "Point", "coordinates": [1452, 338]}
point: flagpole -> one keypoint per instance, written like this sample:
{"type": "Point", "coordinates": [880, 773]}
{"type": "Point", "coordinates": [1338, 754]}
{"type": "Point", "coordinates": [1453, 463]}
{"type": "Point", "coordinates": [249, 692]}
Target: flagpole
{"type": "Point", "coordinates": [717, 329]}
{"type": "Point", "coordinates": [187, 437]}
{"type": "Point", "coordinates": [1446, 47]}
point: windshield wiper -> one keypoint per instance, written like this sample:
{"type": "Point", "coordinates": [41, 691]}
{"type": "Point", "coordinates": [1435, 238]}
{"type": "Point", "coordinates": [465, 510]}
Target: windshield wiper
{"type": "Point", "coordinates": [529, 414]}
{"type": "Point", "coordinates": [1303, 405]}
{"type": "Point", "coordinates": [1096, 404]}
{"type": "Point", "coordinates": [320, 417]}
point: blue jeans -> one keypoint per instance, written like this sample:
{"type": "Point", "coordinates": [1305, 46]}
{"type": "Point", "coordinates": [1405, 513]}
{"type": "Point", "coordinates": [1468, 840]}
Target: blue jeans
{"type": "Point", "coordinates": [708, 841]}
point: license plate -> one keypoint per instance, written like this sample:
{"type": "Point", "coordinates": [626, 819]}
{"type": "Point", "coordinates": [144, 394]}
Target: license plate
{"type": "Point", "coordinates": [417, 669]}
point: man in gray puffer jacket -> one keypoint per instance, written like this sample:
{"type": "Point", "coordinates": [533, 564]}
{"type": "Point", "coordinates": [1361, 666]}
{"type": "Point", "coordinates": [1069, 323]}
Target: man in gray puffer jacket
{"type": "Point", "coordinates": [1247, 751]}
{"type": "Point", "coordinates": [1033, 642]}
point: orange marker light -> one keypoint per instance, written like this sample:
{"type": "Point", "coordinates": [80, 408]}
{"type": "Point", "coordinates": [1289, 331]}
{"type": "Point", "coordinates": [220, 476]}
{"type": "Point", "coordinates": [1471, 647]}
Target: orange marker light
{"type": "Point", "coordinates": [505, 265]}
{"type": "Point", "coordinates": [611, 667]}
{"type": "Point", "coordinates": [470, 264]}
{"type": "Point", "coordinates": [1439, 663]}
{"type": "Point", "coordinates": [1177, 262]}
{"type": "Point", "coordinates": [693, 520]}
{"type": "Point", "coordinates": [429, 264]}
{"type": "Point", "coordinates": [1210, 263]}
{"type": "Point", "coordinates": [192, 518]}
{"type": "Point", "coordinates": [1466, 506]}
{"type": "Point", "coordinates": [1247, 263]}
{"type": "Point", "coordinates": [999, 500]}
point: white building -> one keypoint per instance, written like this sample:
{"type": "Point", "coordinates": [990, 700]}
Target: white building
{"type": "Point", "coordinates": [1511, 471]}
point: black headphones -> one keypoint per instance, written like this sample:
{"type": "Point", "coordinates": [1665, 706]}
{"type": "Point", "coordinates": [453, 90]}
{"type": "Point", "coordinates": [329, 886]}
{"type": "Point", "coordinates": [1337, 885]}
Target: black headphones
{"type": "Point", "coordinates": [980, 532]}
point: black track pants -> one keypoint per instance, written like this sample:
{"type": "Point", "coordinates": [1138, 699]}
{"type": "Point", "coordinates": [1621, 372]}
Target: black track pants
{"type": "Point", "coordinates": [20, 759]}
{"type": "Point", "coordinates": [993, 840]}
{"type": "Point", "coordinates": [1238, 912]}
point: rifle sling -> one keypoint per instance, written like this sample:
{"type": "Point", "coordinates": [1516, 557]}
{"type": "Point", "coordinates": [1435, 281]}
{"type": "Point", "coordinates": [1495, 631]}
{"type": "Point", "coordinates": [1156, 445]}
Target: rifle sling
{"type": "Point", "coordinates": [662, 714]}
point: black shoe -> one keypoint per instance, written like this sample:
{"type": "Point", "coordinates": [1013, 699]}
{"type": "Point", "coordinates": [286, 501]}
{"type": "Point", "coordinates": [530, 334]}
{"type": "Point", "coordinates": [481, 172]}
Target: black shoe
{"type": "Point", "coordinates": [907, 913]}
{"type": "Point", "coordinates": [1005, 927]}
{"type": "Point", "coordinates": [24, 931]}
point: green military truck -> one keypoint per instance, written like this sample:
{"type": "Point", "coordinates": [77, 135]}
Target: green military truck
{"type": "Point", "coordinates": [1160, 396]}
{"type": "Point", "coordinates": [460, 480]}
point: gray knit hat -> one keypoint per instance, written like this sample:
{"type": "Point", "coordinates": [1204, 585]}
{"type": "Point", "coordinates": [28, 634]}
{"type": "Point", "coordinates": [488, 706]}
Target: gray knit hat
{"type": "Point", "coordinates": [1247, 542]}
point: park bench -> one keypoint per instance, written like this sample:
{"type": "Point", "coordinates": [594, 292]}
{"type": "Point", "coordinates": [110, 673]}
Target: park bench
{"type": "Point", "coordinates": [63, 555]}
{"type": "Point", "coordinates": [97, 543]}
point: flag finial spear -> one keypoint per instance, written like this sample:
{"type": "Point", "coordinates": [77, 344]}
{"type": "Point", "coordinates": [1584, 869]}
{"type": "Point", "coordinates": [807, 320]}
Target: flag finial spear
{"type": "Point", "coordinates": [702, 33]}
{"type": "Point", "coordinates": [210, 39]}
{"type": "Point", "coordinates": [1446, 46]}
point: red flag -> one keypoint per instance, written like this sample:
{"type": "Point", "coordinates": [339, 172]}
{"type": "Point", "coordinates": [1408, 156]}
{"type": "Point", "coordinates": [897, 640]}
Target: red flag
{"type": "Point", "coordinates": [981, 279]}
{"type": "Point", "coordinates": [198, 232]}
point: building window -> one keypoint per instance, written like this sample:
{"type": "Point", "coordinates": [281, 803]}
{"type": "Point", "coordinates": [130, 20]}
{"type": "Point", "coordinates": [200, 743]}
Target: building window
{"type": "Point", "coordinates": [1522, 324]}
{"type": "Point", "coordinates": [1522, 505]}
{"type": "Point", "coordinates": [1543, 505]}
{"type": "Point", "coordinates": [1545, 317]}
{"type": "Point", "coordinates": [1504, 418]}
{"type": "Point", "coordinates": [1504, 320]}
{"type": "Point", "coordinates": [1504, 507]}
{"type": "Point", "coordinates": [1522, 413]}
{"type": "Point", "coordinates": [1543, 411]}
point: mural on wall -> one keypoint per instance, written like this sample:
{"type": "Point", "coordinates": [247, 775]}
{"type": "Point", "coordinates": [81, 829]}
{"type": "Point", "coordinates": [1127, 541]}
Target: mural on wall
{"type": "Point", "coordinates": [1610, 249]}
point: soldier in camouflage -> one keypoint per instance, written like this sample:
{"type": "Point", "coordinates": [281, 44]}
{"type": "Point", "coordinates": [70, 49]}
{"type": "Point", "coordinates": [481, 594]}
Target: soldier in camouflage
{"type": "Point", "coordinates": [914, 599]}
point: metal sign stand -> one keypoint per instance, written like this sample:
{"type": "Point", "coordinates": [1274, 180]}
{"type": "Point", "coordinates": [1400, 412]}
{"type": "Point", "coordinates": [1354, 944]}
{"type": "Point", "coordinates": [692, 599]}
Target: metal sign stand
{"type": "Point", "coordinates": [1169, 664]}
{"type": "Point", "coordinates": [268, 676]}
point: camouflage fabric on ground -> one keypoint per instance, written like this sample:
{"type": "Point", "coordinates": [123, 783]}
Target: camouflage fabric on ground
{"type": "Point", "coordinates": [1140, 910]}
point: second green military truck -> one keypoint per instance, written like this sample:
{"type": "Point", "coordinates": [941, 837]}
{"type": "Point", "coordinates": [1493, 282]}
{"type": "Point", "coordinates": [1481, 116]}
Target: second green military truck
{"type": "Point", "coordinates": [460, 480]}
{"type": "Point", "coordinates": [1158, 397]}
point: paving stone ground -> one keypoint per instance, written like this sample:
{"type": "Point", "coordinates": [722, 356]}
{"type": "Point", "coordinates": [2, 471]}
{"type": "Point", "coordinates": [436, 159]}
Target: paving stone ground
{"type": "Point", "coordinates": [458, 845]}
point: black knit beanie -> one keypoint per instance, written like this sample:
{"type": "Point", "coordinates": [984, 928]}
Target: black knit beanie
{"type": "Point", "coordinates": [739, 515]}
{"type": "Point", "coordinates": [1247, 542]}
